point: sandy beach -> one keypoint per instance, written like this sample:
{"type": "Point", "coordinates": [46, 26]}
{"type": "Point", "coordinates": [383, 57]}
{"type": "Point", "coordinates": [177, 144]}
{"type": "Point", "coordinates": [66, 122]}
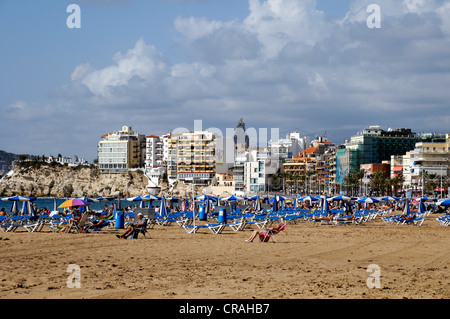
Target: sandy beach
{"type": "Point", "coordinates": [307, 261]}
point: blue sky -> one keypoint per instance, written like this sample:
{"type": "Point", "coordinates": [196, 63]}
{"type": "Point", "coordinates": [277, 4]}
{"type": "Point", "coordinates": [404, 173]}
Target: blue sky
{"type": "Point", "coordinates": [161, 64]}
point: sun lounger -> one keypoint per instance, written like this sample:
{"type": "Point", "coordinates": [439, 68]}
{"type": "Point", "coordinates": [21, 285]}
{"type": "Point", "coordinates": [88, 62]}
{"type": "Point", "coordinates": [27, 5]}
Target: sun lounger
{"type": "Point", "coordinates": [12, 223]}
{"type": "Point", "coordinates": [214, 228]}
{"type": "Point", "coordinates": [259, 221]}
{"type": "Point", "coordinates": [238, 225]}
{"type": "Point", "coordinates": [265, 236]}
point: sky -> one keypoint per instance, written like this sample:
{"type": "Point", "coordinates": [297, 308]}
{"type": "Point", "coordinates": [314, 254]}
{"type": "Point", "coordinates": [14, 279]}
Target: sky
{"type": "Point", "coordinates": [312, 66]}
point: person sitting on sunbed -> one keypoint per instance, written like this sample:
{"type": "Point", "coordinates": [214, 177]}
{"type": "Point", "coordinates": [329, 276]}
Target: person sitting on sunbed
{"type": "Point", "coordinates": [3, 212]}
{"type": "Point", "coordinates": [327, 218]}
{"type": "Point", "coordinates": [346, 219]}
{"type": "Point", "coordinates": [74, 220]}
{"type": "Point", "coordinates": [134, 227]}
{"type": "Point", "coordinates": [407, 217]}
{"type": "Point", "coordinates": [270, 230]}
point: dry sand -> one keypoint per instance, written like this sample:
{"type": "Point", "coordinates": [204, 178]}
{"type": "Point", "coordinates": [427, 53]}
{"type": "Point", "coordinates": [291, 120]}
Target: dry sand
{"type": "Point", "coordinates": [307, 261]}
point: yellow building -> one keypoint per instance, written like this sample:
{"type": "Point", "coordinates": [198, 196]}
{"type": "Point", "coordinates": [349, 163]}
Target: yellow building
{"type": "Point", "coordinates": [196, 157]}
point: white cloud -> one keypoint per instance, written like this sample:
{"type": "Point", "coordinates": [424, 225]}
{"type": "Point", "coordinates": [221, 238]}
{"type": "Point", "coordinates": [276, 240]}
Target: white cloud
{"type": "Point", "coordinates": [140, 67]}
{"type": "Point", "coordinates": [444, 14]}
{"type": "Point", "coordinates": [286, 65]}
{"type": "Point", "coordinates": [279, 22]}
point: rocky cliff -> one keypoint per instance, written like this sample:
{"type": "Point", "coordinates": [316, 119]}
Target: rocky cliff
{"type": "Point", "coordinates": [50, 180]}
{"type": "Point", "coordinates": [44, 180]}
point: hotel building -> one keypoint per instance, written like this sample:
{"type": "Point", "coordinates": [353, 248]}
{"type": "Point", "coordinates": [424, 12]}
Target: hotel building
{"type": "Point", "coordinates": [120, 151]}
{"type": "Point", "coordinates": [374, 145]}
{"type": "Point", "coordinates": [196, 157]}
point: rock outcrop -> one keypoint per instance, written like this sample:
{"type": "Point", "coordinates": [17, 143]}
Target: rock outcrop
{"type": "Point", "coordinates": [62, 181]}
{"type": "Point", "coordinates": [48, 180]}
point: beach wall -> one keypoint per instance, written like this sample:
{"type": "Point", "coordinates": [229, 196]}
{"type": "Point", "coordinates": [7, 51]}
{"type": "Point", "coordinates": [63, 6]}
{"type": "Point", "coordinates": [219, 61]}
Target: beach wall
{"type": "Point", "coordinates": [63, 181]}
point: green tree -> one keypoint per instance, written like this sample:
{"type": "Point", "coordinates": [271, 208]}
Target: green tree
{"type": "Point", "coordinates": [378, 182]}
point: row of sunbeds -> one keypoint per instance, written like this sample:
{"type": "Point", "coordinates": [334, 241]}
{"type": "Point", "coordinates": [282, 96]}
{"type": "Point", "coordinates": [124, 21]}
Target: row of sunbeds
{"type": "Point", "coordinates": [55, 222]}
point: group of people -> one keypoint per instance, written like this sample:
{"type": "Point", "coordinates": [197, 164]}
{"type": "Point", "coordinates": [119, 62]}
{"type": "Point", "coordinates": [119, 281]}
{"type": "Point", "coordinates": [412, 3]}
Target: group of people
{"type": "Point", "coordinates": [100, 220]}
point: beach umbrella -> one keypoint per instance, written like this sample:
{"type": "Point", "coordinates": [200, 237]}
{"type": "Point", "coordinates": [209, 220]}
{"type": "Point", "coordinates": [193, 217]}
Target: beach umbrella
{"type": "Point", "coordinates": [275, 204]}
{"type": "Point", "coordinates": [446, 202]}
{"type": "Point", "coordinates": [340, 197]}
{"type": "Point", "coordinates": [406, 209]}
{"type": "Point", "coordinates": [15, 200]}
{"type": "Point", "coordinates": [75, 202]}
{"type": "Point", "coordinates": [205, 197]}
{"type": "Point", "coordinates": [295, 203]}
{"type": "Point", "coordinates": [258, 204]}
{"type": "Point", "coordinates": [309, 198]}
{"type": "Point", "coordinates": [173, 199]}
{"type": "Point", "coordinates": [162, 209]}
{"type": "Point", "coordinates": [368, 200]}
{"type": "Point", "coordinates": [30, 209]}
{"type": "Point", "coordinates": [231, 198]}
{"type": "Point", "coordinates": [87, 199]}
{"type": "Point", "coordinates": [150, 197]}
{"type": "Point", "coordinates": [54, 205]}
{"type": "Point", "coordinates": [390, 198]}
{"type": "Point", "coordinates": [324, 205]}
{"type": "Point", "coordinates": [25, 208]}
{"type": "Point", "coordinates": [278, 198]}
{"type": "Point", "coordinates": [421, 206]}
{"type": "Point", "coordinates": [207, 207]}
{"type": "Point", "coordinates": [142, 205]}
{"type": "Point", "coordinates": [19, 198]}
{"type": "Point", "coordinates": [14, 207]}
{"type": "Point", "coordinates": [134, 199]}
{"type": "Point", "coordinates": [104, 198]}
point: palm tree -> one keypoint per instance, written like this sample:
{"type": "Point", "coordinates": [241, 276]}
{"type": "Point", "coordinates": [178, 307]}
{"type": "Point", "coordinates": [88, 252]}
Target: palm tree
{"type": "Point", "coordinates": [378, 181]}
{"type": "Point", "coordinates": [353, 180]}
{"type": "Point", "coordinates": [398, 181]}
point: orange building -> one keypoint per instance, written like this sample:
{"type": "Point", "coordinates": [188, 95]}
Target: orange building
{"type": "Point", "coordinates": [372, 168]}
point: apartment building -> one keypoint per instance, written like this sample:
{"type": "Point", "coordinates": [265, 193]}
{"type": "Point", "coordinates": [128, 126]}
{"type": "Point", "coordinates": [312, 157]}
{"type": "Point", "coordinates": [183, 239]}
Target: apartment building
{"type": "Point", "coordinates": [196, 157]}
{"type": "Point", "coordinates": [120, 151]}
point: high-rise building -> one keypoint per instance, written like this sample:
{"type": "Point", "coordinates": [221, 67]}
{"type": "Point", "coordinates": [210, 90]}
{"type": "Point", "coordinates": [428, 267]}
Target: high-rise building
{"type": "Point", "coordinates": [374, 145]}
{"type": "Point", "coordinates": [257, 171]}
{"type": "Point", "coordinates": [172, 156]}
{"type": "Point", "coordinates": [312, 167]}
{"type": "Point", "coordinates": [288, 147]}
{"type": "Point", "coordinates": [241, 139]}
{"type": "Point", "coordinates": [241, 143]}
{"type": "Point", "coordinates": [196, 157]}
{"type": "Point", "coordinates": [428, 160]}
{"type": "Point", "coordinates": [120, 151]}
{"type": "Point", "coordinates": [154, 163]}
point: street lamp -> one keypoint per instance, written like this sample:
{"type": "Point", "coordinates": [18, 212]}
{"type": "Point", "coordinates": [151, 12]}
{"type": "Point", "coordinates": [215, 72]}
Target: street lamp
{"type": "Point", "coordinates": [419, 165]}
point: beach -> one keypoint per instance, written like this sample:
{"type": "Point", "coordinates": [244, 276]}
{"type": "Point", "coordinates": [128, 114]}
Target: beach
{"type": "Point", "coordinates": [306, 262]}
